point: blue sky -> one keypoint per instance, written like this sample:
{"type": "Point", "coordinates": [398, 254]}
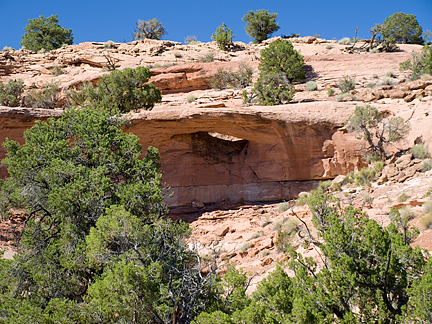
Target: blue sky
{"type": "Point", "coordinates": [96, 20]}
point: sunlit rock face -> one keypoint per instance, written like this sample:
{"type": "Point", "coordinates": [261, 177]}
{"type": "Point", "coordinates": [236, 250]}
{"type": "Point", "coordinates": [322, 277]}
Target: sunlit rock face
{"type": "Point", "coordinates": [250, 154]}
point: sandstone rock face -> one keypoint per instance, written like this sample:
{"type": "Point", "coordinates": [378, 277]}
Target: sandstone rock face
{"type": "Point", "coordinates": [218, 148]}
{"type": "Point", "coordinates": [190, 76]}
{"type": "Point", "coordinates": [242, 153]}
{"type": "Point", "coordinates": [248, 153]}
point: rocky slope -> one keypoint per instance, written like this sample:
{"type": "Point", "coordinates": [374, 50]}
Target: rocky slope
{"type": "Point", "coordinates": [220, 157]}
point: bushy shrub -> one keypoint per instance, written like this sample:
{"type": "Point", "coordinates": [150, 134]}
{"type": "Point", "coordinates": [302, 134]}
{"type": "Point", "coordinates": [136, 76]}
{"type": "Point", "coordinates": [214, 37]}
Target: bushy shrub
{"type": "Point", "coordinates": [426, 221]}
{"type": "Point", "coordinates": [10, 92]}
{"type": "Point", "coordinates": [419, 64]}
{"type": "Point", "coordinates": [260, 24]}
{"type": "Point", "coordinates": [406, 213]}
{"type": "Point", "coordinates": [427, 206]}
{"type": "Point", "coordinates": [367, 198]}
{"type": "Point", "coordinates": [151, 29]}
{"type": "Point", "coordinates": [45, 98]}
{"type": "Point", "coordinates": [344, 41]}
{"type": "Point", "coordinates": [286, 233]}
{"type": "Point", "coordinates": [349, 178]}
{"type": "Point", "coordinates": [426, 165]}
{"type": "Point", "coordinates": [227, 78]}
{"type": "Point", "coordinates": [120, 91]}
{"type": "Point", "coordinates": [280, 64]}
{"type": "Point", "coordinates": [323, 185]}
{"type": "Point", "coordinates": [273, 89]}
{"type": "Point", "coordinates": [177, 54]}
{"type": "Point", "coordinates": [57, 70]}
{"type": "Point", "coordinates": [403, 197]}
{"type": "Point", "coordinates": [45, 33]}
{"type": "Point", "coordinates": [374, 50]}
{"type": "Point", "coordinates": [208, 57]}
{"type": "Point", "coordinates": [191, 40]}
{"type": "Point", "coordinates": [368, 124]}
{"type": "Point", "coordinates": [330, 92]}
{"type": "Point", "coordinates": [419, 151]}
{"type": "Point", "coordinates": [364, 176]}
{"type": "Point", "coordinates": [385, 80]}
{"type": "Point", "coordinates": [389, 73]}
{"type": "Point", "coordinates": [346, 84]}
{"type": "Point", "coordinates": [257, 235]}
{"type": "Point", "coordinates": [341, 96]}
{"type": "Point", "coordinates": [378, 166]}
{"type": "Point", "coordinates": [281, 57]}
{"type": "Point", "coordinates": [245, 246]}
{"type": "Point", "coordinates": [302, 199]}
{"type": "Point", "coordinates": [311, 86]}
{"type": "Point", "coordinates": [329, 46]}
{"type": "Point", "coordinates": [8, 49]}
{"type": "Point", "coordinates": [109, 44]}
{"type": "Point", "coordinates": [223, 37]}
{"type": "Point", "coordinates": [335, 187]}
{"type": "Point", "coordinates": [283, 207]}
{"type": "Point", "coordinates": [191, 98]}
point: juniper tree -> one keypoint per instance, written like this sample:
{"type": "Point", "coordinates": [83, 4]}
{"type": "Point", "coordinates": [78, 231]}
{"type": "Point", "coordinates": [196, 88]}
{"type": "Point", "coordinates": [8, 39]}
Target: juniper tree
{"type": "Point", "coordinates": [45, 33]}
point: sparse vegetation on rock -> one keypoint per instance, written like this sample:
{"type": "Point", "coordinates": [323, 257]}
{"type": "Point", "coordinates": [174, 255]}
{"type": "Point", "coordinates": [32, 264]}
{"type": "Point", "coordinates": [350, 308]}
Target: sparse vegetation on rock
{"type": "Point", "coordinates": [355, 285]}
{"type": "Point", "coordinates": [420, 64]}
{"type": "Point", "coordinates": [208, 57]}
{"type": "Point", "coordinates": [346, 84]}
{"type": "Point", "coordinates": [45, 33]}
{"type": "Point", "coordinates": [226, 78]}
{"type": "Point", "coordinates": [344, 41]}
{"type": "Point", "coordinates": [420, 151]}
{"type": "Point", "coordinates": [368, 124]}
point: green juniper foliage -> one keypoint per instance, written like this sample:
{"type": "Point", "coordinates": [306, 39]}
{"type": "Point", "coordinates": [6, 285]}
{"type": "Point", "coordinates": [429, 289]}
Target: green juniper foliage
{"type": "Point", "coordinates": [120, 91]}
{"type": "Point", "coordinates": [260, 24]}
{"type": "Point", "coordinates": [280, 64]}
{"type": "Point", "coordinates": [223, 37]}
{"type": "Point", "coordinates": [369, 274]}
{"type": "Point", "coordinates": [45, 33]}
{"type": "Point", "coordinates": [403, 28]}
{"type": "Point", "coordinates": [10, 92]}
{"type": "Point", "coordinates": [94, 247]}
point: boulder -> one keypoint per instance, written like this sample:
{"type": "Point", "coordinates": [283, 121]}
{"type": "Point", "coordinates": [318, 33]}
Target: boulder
{"type": "Point", "coordinates": [222, 231]}
{"type": "Point", "coordinates": [410, 97]}
{"type": "Point", "coordinates": [396, 94]}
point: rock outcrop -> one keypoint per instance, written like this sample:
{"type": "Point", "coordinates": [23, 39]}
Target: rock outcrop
{"type": "Point", "coordinates": [248, 153]}
{"type": "Point", "coordinates": [237, 153]}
